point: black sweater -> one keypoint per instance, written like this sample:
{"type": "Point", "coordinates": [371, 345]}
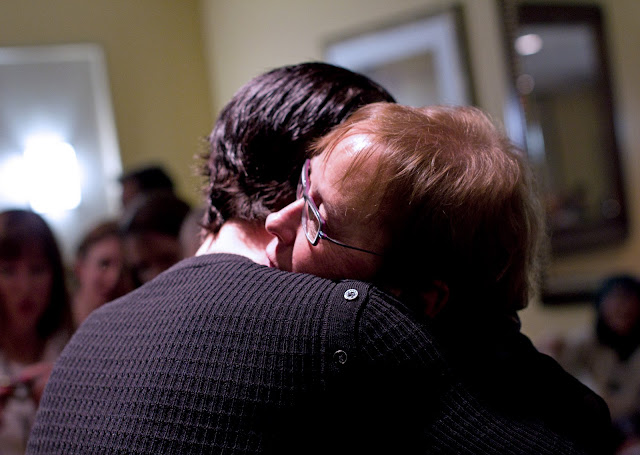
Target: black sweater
{"type": "Point", "coordinates": [221, 355]}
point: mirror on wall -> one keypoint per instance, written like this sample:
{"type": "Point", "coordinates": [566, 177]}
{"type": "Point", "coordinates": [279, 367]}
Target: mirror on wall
{"type": "Point", "coordinates": [562, 84]}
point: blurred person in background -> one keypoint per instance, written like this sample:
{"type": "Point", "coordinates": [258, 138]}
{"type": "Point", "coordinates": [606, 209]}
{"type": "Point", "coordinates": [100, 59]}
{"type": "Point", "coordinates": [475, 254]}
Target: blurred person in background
{"type": "Point", "coordinates": [606, 357]}
{"type": "Point", "coordinates": [151, 232]}
{"type": "Point", "coordinates": [143, 180]}
{"type": "Point", "coordinates": [191, 232]}
{"type": "Point", "coordinates": [35, 320]}
{"type": "Point", "coordinates": [99, 270]}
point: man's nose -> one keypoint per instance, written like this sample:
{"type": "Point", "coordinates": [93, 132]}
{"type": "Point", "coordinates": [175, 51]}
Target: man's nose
{"type": "Point", "coordinates": [285, 222]}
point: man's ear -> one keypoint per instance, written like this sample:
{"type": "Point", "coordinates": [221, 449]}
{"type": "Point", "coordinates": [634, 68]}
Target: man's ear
{"type": "Point", "coordinates": [435, 298]}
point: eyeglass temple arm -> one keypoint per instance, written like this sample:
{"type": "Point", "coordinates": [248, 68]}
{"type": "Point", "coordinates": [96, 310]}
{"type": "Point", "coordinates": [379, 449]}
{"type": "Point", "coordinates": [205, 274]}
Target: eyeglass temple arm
{"type": "Point", "coordinates": [337, 242]}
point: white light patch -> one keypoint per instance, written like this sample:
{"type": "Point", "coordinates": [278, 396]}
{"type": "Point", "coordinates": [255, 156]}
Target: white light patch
{"type": "Point", "coordinates": [528, 44]}
{"type": "Point", "coordinates": [53, 174]}
{"type": "Point", "coordinates": [13, 185]}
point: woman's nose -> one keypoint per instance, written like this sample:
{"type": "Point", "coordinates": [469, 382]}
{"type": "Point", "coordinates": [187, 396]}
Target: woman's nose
{"type": "Point", "coordinates": [284, 223]}
{"type": "Point", "coordinates": [21, 282]}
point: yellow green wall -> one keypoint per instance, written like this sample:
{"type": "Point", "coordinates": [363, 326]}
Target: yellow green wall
{"type": "Point", "coordinates": [155, 64]}
{"type": "Point", "coordinates": [245, 37]}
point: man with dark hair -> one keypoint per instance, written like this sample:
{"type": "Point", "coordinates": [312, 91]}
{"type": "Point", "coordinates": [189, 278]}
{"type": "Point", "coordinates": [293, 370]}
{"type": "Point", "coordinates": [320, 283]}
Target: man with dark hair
{"type": "Point", "coordinates": [220, 354]}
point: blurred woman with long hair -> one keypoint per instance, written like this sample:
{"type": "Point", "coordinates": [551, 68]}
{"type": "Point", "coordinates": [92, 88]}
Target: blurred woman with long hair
{"type": "Point", "coordinates": [35, 320]}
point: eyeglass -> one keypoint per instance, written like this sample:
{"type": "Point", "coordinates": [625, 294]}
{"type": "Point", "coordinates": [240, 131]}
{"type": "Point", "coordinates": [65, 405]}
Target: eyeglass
{"type": "Point", "coordinates": [313, 224]}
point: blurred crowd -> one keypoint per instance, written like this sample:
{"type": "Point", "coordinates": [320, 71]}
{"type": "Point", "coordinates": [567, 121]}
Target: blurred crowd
{"type": "Point", "coordinates": [43, 299]}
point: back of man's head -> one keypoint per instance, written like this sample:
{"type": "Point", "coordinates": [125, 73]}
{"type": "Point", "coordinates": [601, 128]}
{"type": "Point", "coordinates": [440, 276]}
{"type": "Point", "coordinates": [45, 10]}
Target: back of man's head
{"type": "Point", "coordinates": [262, 136]}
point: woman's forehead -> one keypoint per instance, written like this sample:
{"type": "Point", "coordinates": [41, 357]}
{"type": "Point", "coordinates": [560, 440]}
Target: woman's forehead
{"type": "Point", "coordinates": [344, 178]}
{"type": "Point", "coordinates": [350, 145]}
{"type": "Point", "coordinates": [348, 155]}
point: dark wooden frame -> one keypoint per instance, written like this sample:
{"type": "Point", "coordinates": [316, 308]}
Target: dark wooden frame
{"type": "Point", "coordinates": [603, 233]}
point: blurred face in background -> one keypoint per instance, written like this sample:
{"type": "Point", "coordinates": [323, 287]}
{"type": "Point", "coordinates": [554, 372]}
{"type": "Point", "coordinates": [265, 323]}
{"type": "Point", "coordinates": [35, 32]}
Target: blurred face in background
{"type": "Point", "coordinates": [130, 189]}
{"type": "Point", "coordinates": [150, 253]}
{"type": "Point", "coordinates": [25, 289]}
{"type": "Point", "coordinates": [101, 269]}
{"type": "Point", "coordinates": [620, 310]}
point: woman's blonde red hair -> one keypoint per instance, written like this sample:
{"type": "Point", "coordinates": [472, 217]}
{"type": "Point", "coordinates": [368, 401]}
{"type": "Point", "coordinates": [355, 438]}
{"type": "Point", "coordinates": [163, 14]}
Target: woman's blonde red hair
{"type": "Point", "coordinates": [457, 198]}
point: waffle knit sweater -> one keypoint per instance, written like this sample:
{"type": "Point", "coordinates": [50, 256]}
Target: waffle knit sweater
{"type": "Point", "coordinates": [220, 355]}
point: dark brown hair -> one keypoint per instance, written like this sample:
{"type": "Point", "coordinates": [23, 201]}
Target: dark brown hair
{"type": "Point", "coordinates": [262, 136]}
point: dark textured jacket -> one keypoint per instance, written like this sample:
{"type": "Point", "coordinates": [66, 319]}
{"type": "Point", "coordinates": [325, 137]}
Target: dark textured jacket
{"type": "Point", "coordinates": [220, 355]}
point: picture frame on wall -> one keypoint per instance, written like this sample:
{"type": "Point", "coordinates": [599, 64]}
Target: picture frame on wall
{"type": "Point", "coordinates": [420, 61]}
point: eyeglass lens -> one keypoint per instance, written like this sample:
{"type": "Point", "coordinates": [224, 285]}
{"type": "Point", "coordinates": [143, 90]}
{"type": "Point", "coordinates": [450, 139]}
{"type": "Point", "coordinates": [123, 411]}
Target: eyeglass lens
{"type": "Point", "coordinates": [310, 220]}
